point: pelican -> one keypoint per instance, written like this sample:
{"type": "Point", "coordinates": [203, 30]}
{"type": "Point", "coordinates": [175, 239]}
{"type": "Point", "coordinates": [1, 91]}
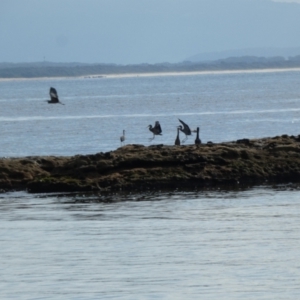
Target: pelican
{"type": "Point", "coordinates": [53, 96]}
{"type": "Point", "coordinates": [197, 140]}
{"type": "Point", "coordinates": [177, 141]}
{"type": "Point", "coordinates": [186, 130]}
{"type": "Point", "coordinates": [156, 130]}
{"type": "Point", "coordinates": [122, 138]}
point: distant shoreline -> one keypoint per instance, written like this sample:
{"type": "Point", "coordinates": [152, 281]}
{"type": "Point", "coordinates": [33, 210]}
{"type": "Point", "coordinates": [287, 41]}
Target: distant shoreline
{"type": "Point", "coordinates": [269, 70]}
{"type": "Point", "coordinates": [157, 74]}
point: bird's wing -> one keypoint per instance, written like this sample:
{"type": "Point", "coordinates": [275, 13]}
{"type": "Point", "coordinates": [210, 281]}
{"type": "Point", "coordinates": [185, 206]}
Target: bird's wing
{"type": "Point", "coordinates": [158, 128]}
{"type": "Point", "coordinates": [53, 92]}
{"type": "Point", "coordinates": [53, 95]}
{"type": "Point", "coordinates": [185, 126]}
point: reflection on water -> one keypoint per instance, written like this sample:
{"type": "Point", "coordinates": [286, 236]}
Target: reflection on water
{"type": "Point", "coordinates": [216, 244]}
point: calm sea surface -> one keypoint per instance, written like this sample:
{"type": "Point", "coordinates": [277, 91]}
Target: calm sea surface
{"type": "Point", "coordinates": [241, 244]}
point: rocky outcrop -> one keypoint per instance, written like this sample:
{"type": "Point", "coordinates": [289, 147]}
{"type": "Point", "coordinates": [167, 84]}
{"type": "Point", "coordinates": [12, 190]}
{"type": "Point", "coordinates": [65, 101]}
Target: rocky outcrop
{"type": "Point", "coordinates": [140, 168]}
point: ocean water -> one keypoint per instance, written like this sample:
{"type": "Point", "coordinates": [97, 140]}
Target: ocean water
{"type": "Point", "coordinates": [221, 244]}
{"type": "Point", "coordinates": [224, 106]}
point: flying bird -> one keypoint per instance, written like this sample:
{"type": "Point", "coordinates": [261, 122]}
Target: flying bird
{"type": "Point", "coordinates": [122, 138]}
{"type": "Point", "coordinates": [177, 141]}
{"type": "Point", "coordinates": [185, 129]}
{"type": "Point", "coordinates": [53, 96]}
{"type": "Point", "coordinates": [197, 140]}
{"type": "Point", "coordinates": [156, 130]}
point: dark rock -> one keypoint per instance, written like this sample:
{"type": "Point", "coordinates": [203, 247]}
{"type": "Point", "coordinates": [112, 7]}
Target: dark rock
{"type": "Point", "coordinates": [137, 168]}
{"type": "Point", "coordinates": [243, 141]}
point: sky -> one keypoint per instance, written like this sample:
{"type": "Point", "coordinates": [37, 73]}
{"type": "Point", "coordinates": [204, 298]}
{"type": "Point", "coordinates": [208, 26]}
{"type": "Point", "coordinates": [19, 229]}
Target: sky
{"type": "Point", "coordinates": [141, 31]}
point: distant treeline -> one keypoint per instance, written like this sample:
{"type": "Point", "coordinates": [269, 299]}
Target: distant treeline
{"type": "Point", "coordinates": [48, 69]}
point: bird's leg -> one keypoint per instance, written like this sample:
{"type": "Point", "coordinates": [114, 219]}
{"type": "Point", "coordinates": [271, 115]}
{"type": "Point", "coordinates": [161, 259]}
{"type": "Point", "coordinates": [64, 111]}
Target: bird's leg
{"type": "Point", "coordinates": [151, 139]}
{"type": "Point", "coordinates": [184, 139]}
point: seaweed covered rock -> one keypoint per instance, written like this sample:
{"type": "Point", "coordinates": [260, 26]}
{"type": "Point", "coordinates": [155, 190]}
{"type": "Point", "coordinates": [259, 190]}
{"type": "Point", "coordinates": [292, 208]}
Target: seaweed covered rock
{"type": "Point", "coordinates": [138, 168]}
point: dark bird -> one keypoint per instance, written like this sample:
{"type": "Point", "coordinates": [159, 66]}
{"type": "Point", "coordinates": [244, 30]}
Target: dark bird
{"type": "Point", "coordinates": [197, 140]}
{"type": "Point", "coordinates": [186, 130]}
{"type": "Point", "coordinates": [53, 96]}
{"type": "Point", "coordinates": [122, 138]}
{"type": "Point", "coordinates": [156, 130]}
{"type": "Point", "coordinates": [177, 141]}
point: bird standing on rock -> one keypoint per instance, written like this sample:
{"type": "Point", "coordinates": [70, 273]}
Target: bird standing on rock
{"type": "Point", "coordinates": [177, 141]}
{"type": "Point", "coordinates": [197, 140]}
{"type": "Point", "coordinates": [186, 130]}
{"type": "Point", "coordinates": [122, 138]}
{"type": "Point", "coordinates": [156, 130]}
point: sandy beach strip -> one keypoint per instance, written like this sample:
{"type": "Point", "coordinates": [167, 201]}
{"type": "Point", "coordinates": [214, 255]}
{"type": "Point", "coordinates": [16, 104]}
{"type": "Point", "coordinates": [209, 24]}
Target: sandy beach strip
{"type": "Point", "coordinates": [209, 72]}
{"type": "Point", "coordinates": [157, 74]}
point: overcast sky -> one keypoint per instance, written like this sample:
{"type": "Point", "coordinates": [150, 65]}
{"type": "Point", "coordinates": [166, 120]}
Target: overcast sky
{"type": "Point", "coordinates": [141, 31]}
